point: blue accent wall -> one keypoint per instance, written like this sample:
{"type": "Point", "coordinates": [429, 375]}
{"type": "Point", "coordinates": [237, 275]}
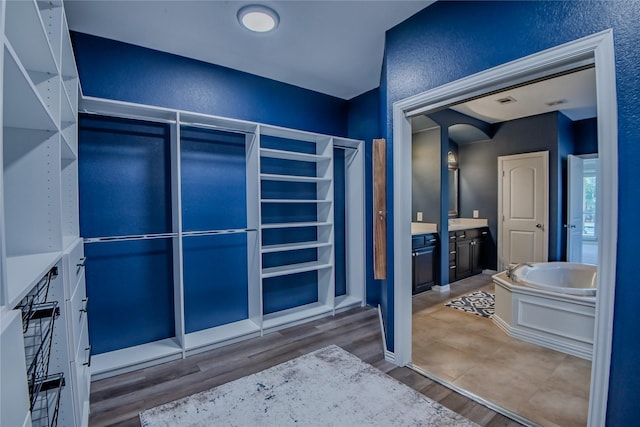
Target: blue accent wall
{"type": "Point", "coordinates": [451, 40]}
{"type": "Point", "coordinates": [478, 175]}
{"type": "Point", "coordinates": [585, 133]}
{"type": "Point", "coordinates": [115, 70]}
{"type": "Point", "coordinates": [130, 292]}
{"type": "Point", "coordinates": [364, 124]}
{"type": "Point", "coordinates": [124, 166]}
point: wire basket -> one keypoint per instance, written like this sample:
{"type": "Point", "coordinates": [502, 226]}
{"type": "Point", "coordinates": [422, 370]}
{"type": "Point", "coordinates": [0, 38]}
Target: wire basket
{"type": "Point", "coordinates": [37, 295]}
{"type": "Point", "coordinates": [44, 411]}
{"type": "Point", "coordinates": [37, 344]}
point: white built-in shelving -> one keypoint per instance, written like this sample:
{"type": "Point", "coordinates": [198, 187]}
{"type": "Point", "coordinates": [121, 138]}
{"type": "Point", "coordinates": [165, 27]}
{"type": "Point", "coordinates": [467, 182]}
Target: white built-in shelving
{"type": "Point", "coordinates": [319, 201]}
{"type": "Point", "coordinates": [39, 197]}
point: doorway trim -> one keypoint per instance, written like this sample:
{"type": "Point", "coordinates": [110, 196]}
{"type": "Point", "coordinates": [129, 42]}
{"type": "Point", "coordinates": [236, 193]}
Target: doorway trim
{"type": "Point", "coordinates": [595, 49]}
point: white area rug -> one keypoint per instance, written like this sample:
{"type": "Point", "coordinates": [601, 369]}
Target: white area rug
{"type": "Point", "coordinates": [329, 387]}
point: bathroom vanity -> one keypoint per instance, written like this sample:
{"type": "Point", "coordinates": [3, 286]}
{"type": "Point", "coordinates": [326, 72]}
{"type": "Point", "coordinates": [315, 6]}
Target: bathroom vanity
{"type": "Point", "coordinates": [424, 251]}
{"type": "Point", "coordinates": [466, 250]}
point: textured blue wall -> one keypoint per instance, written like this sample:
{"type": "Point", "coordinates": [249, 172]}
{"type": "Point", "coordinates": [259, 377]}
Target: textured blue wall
{"type": "Point", "coordinates": [451, 40]}
{"type": "Point", "coordinates": [479, 177]}
{"type": "Point", "coordinates": [364, 123]}
{"type": "Point", "coordinates": [116, 70]}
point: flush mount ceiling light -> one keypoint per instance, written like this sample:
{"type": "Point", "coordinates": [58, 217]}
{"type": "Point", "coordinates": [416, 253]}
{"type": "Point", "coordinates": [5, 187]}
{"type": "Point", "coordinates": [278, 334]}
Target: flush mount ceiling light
{"type": "Point", "coordinates": [258, 18]}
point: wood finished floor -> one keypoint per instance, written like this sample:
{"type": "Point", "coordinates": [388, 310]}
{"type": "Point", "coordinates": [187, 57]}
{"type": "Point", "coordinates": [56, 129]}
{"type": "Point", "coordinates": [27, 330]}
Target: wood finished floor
{"type": "Point", "coordinates": [116, 401]}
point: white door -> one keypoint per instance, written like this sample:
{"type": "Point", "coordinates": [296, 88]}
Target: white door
{"type": "Point", "coordinates": [523, 208]}
{"type": "Point", "coordinates": [575, 195]}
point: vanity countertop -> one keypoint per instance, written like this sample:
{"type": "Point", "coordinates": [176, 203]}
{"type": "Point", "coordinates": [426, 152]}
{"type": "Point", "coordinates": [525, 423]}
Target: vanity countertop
{"type": "Point", "coordinates": [423, 228]}
{"type": "Point", "coordinates": [456, 224]}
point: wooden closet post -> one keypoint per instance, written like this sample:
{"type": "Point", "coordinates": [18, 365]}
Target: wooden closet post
{"type": "Point", "coordinates": [379, 209]}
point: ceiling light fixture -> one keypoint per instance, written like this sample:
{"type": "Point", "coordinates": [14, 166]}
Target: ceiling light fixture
{"type": "Point", "coordinates": [258, 18]}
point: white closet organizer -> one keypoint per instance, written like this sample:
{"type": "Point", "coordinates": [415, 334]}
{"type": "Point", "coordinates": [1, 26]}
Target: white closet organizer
{"type": "Point", "coordinates": [317, 202]}
{"type": "Point", "coordinates": [39, 215]}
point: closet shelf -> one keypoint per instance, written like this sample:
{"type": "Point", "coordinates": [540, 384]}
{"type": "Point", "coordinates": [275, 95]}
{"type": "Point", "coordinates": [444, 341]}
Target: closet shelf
{"type": "Point", "coordinates": [24, 271]}
{"type": "Point", "coordinates": [294, 246]}
{"type": "Point", "coordinates": [137, 357]}
{"type": "Point", "coordinates": [347, 301]}
{"type": "Point", "coordinates": [25, 32]}
{"type": "Point", "coordinates": [27, 109]}
{"type": "Point", "coordinates": [220, 334]}
{"type": "Point", "coordinates": [292, 155]}
{"type": "Point", "coordinates": [294, 268]}
{"type": "Point", "coordinates": [292, 315]}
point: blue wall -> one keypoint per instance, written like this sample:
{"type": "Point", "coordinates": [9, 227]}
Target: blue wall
{"type": "Point", "coordinates": [116, 70]}
{"type": "Point", "coordinates": [364, 123]}
{"type": "Point", "coordinates": [479, 178]}
{"type": "Point", "coordinates": [451, 40]}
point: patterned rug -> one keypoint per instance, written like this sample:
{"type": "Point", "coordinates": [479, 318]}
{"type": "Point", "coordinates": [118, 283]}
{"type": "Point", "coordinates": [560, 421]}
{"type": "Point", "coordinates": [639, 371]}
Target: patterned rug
{"type": "Point", "coordinates": [329, 387]}
{"type": "Point", "coordinates": [480, 303]}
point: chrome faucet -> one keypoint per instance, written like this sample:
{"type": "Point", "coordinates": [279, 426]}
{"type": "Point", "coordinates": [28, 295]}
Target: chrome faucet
{"type": "Point", "coordinates": [514, 267]}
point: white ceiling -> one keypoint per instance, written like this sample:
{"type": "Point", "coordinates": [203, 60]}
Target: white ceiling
{"type": "Point", "coordinates": [577, 91]}
{"type": "Point", "coordinates": [332, 47]}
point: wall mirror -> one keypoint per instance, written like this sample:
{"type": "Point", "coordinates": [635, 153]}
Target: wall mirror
{"type": "Point", "coordinates": [453, 192]}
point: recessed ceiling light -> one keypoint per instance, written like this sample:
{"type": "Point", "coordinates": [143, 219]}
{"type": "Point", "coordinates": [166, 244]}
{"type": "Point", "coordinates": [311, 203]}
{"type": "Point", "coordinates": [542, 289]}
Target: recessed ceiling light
{"type": "Point", "coordinates": [258, 18]}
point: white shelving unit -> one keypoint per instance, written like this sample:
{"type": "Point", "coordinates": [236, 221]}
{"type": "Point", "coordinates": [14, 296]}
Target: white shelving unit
{"type": "Point", "coordinates": [320, 162]}
{"type": "Point", "coordinates": [39, 198]}
{"type": "Point", "coordinates": [256, 322]}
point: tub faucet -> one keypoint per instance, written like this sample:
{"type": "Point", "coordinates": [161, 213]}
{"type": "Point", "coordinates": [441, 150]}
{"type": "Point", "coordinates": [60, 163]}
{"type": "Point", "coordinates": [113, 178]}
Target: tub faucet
{"type": "Point", "coordinates": [514, 267]}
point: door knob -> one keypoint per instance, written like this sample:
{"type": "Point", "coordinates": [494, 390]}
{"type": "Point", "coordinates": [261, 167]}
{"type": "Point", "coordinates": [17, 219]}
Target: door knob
{"type": "Point", "coordinates": [538, 225]}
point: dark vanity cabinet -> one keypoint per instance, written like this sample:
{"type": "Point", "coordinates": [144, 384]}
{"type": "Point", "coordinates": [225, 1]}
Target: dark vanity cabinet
{"type": "Point", "coordinates": [424, 251]}
{"type": "Point", "coordinates": [466, 254]}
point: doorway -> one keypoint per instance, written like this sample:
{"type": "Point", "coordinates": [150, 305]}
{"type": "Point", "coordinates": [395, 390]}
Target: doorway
{"type": "Point", "coordinates": [597, 50]}
{"type": "Point", "coordinates": [582, 240]}
{"type": "Point", "coordinates": [523, 208]}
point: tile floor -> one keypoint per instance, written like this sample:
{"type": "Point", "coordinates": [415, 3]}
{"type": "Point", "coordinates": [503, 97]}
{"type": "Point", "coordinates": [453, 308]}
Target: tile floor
{"type": "Point", "coordinates": [545, 386]}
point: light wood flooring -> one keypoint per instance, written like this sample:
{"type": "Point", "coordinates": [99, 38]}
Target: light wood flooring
{"type": "Point", "coordinates": [545, 386]}
{"type": "Point", "coordinates": [116, 401]}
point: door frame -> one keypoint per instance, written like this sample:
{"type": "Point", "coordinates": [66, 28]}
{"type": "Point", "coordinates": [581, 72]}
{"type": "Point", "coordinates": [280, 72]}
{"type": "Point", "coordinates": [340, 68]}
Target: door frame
{"type": "Point", "coordinates": [545, 221]}
{"type": "Point", "coordinates": [568, 224]}
{"type": "Point", "coordinates": [597, 49]}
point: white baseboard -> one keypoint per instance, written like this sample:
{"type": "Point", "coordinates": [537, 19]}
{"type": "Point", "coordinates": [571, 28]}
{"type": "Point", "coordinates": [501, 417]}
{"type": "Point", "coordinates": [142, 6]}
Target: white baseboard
{"type": "Point", "coordinates": [389, 356]}
{"type": "Point", "coordinates": [441, 288]}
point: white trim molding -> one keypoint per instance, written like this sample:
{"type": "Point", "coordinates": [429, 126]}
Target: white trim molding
{"type": "Point", "coordinates": [596, 49]}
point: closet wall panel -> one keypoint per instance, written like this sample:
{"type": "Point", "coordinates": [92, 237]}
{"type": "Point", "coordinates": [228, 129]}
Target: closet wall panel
{"type": "Point", "coordinates": [125, 182]}
{"type": "Point", "coordinates": [339, 222]}
{"type": "Point", "coordinates": [130, 291]}
{"type": "Point", "coordinates": [215, 280]}
{"type": "Point", "coordinates": [213, 173]}
{"type": "Point", "coordinates": [284, 292]}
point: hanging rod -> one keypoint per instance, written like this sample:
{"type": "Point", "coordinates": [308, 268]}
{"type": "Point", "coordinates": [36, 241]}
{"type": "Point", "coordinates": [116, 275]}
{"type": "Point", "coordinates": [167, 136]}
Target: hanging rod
{"type": "Point", "coordinates": [216, 127]}
{"type": "Point", "coordinates": [217, 232]}
{"type": "Point", "coordinates": [129, 237]}
{"type": "Point", "coordinates": [165, 235]}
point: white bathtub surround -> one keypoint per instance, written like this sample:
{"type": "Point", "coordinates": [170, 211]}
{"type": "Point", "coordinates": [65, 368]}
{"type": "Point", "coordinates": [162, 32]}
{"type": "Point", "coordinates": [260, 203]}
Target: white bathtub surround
{"type": "Point", "coordinates": [423, 228]}
{"type": "Point", "coordinates": [329, 387]}
{"type": "Point", "coordinates": [558, 321]}
{"type": "Point", "coordinates": [465, 223]}
{"type": "Point", "coordinates": [563, 277]}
